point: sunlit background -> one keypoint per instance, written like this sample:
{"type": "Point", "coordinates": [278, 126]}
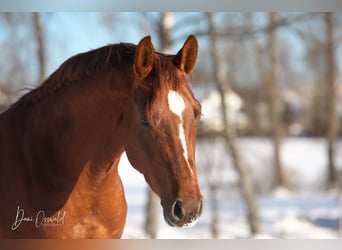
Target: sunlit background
{"type": "Point", "coordinates": [271, 167]}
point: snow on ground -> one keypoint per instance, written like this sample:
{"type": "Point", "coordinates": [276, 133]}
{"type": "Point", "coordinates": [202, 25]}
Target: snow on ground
{"type": "Point", "coordinates": [307, 212]}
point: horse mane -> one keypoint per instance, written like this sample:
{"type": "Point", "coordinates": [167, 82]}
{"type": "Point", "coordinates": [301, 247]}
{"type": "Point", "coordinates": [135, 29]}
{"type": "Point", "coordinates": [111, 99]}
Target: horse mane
{"type": "Point", "coordinates": [85, 64]}
{"type": "Point", "coordinates": [81, 66]}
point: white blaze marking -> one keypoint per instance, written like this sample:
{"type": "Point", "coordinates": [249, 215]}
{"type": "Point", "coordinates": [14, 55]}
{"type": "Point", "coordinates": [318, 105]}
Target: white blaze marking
{"type": "Point", "coordinates": [177, 106]}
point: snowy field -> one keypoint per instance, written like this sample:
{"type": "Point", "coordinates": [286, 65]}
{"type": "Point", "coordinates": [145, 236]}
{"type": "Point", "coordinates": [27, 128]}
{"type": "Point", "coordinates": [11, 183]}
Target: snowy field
{"type": "Point", "coordinates": [307, 211]}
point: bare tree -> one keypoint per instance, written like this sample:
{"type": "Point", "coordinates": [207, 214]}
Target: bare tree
{"type": "Point", "coordinates": [211, 169]}
{"type": "Point", "coordinates": [229, 132]}
{"type": "Point", "coordinates": [254, 113]}
{"type": "Point", "coordinates": [151, 224]}
{"type": "Point", "coordinates": [273, 101]}
{"type": "Point", "coordinates": [14, 70]}
{"type": "Point", "coordinates": [315, 50]}
{"type": "Point", "coordinates": [39, 36]}
{"type": "Point", "coordinates": [213, 180]}
{"type": "Point", "coordinates": [331, 97]}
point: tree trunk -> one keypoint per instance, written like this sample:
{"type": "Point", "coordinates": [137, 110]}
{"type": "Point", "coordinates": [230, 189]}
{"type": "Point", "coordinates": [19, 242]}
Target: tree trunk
{"type": "Point", "coordinates": [39, 35]}
{"type": "Point", "coordinates": [213, 188]}
{"type": "Point", "coordinates": [274, 104]}
{"type": "Point", "coordinates": [151, 224]}
{"type": "Point", "coordinates": [166, 24]}
{"type": "Point", "coordinates": [258, 55]}
{"type": "Point", "coordinates": [229, 130]}
{"type": "Point", "coordinates": [331, 97]}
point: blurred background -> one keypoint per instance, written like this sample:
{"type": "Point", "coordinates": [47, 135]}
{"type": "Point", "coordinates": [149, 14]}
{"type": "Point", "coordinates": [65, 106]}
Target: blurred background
{"type": "Point", "coordinates": [269, 148]}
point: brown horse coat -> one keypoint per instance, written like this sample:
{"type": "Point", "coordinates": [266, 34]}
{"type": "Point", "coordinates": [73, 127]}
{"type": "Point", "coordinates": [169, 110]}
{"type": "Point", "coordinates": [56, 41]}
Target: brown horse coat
{"type": "Point", "coordinates": [61, 143]}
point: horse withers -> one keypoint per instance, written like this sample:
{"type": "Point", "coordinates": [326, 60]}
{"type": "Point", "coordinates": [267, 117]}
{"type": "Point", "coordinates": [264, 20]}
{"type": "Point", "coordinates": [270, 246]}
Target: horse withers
{"type": "Point", "coordinates": [61, 143]}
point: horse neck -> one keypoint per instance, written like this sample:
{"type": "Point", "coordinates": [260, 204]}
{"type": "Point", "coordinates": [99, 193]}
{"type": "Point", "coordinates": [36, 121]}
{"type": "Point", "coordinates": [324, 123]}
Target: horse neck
{"type": "Point", "coordinates": [83, 125]}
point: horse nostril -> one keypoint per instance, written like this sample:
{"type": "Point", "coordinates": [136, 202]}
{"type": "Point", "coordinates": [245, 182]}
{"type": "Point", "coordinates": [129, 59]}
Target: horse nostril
{"type": "Point", "coordinates": [177, 210]}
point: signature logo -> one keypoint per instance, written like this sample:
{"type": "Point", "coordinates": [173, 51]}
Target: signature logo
{"type": "Point", "coordinates": [39, 220]}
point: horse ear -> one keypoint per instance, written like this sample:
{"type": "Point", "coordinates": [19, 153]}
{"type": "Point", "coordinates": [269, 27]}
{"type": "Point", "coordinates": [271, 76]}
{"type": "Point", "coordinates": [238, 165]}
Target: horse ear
{"type": "Point", "coordinates": [144, 58]}
{"type": "Point", "coordinates": [186, 58]}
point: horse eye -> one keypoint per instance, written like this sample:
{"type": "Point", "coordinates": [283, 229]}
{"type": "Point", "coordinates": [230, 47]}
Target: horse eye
{"type": "Point", "coordinates": [145, 121]}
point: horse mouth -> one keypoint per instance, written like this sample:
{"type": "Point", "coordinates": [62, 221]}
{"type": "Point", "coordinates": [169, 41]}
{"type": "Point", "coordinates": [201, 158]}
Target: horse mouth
{"type": "Point", "coordinates": [179, 223]}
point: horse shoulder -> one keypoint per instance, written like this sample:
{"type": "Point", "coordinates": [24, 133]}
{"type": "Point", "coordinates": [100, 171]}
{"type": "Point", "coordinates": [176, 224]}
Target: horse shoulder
{"type": "Point", "coordinates": [92, 210]}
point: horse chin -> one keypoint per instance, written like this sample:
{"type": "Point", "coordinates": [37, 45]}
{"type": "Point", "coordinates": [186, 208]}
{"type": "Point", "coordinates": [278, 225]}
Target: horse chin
{"type": "Point", "coordinates": [190, 224]}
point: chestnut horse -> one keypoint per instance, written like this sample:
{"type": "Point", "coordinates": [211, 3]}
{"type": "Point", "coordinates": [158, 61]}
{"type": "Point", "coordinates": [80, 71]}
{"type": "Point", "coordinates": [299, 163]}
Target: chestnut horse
{"type": "Point", "coordinates": [61, 143]}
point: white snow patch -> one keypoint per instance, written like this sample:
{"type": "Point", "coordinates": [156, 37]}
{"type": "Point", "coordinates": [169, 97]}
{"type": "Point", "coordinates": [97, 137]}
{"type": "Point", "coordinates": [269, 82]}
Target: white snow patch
{"type": "Point", "coordinates": [294, 228]}
{"type": "Point", "coordinates": [306, 213]}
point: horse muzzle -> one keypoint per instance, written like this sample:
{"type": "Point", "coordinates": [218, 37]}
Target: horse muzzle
{"type": "Point", "coordinates": [183, 214]}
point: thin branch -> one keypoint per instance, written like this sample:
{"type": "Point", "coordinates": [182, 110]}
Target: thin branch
{"type": "Point", "coordinates": [248, 32]}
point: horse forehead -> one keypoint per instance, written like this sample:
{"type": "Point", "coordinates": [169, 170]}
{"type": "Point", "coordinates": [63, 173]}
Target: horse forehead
{"type": "Point", "coordinates": [176, 102]}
